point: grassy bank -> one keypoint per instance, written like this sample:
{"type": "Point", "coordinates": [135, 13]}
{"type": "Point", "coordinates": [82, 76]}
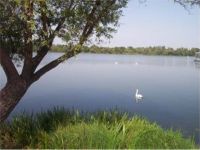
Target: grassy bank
{"type": "Point", "coordinates": [61, 128]}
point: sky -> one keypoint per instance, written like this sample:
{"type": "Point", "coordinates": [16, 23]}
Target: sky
{"type": "Point", "coordinates": [156, 23]}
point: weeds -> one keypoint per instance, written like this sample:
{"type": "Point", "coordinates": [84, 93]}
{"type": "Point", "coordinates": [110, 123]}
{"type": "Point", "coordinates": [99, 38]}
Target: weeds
{"type": "Point", "coordinates": [60, 128]}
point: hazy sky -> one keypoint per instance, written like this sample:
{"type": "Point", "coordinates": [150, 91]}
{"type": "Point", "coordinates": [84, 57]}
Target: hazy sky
{"type": "Point", "coordinates": [157, 23]}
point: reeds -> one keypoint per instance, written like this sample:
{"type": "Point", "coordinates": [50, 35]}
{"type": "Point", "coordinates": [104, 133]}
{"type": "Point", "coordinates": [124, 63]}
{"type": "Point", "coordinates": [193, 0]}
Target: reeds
{"type": "Point", "coordinates": [60, 128]}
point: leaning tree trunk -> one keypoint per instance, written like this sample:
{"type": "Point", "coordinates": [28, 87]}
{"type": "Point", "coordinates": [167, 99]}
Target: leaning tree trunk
{"type": "Point", "coordinates": [10, 95]}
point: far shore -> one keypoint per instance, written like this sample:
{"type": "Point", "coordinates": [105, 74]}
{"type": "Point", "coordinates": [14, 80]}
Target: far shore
{"type": "Point", "coordinates": [152, 51]}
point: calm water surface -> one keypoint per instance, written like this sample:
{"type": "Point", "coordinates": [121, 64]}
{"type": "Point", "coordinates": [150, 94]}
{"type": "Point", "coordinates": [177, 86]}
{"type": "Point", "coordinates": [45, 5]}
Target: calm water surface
{"type": "Point", "coordinates": [91, 82]}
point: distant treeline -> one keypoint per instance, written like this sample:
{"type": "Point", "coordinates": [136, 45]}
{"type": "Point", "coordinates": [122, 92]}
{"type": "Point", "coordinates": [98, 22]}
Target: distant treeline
{"type": "Point", "coordinates": [157, 50]}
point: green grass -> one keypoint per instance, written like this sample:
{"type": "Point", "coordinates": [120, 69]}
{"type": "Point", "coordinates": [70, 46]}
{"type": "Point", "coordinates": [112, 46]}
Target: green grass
{"type": "Point", "coordinates": [60, 128]}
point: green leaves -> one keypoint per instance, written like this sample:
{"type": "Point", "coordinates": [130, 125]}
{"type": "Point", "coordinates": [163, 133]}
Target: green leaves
{"type": "Point", "coordinates": [43, 43]}
{"type": "Point", "coordinates": [31, 25]}
{"type": "Point", "coordinates": [74, 21]}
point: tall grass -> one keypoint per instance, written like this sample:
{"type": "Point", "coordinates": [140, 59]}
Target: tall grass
{"type": "Point", "coordinates": [60, 128]}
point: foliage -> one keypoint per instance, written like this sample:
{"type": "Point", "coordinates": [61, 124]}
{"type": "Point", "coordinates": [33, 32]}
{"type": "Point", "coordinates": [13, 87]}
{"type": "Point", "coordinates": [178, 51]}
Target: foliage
{"type": "Point", "coordinates": [157, 50]}
{"type": "Point", "coordinates": [32, 25]}
{"type": "Point", "coordinates": [35, 23]}
{"type": "Point", "coordinates": [186, 3]}
{"type": "Point", "coordinates": [62, 128]}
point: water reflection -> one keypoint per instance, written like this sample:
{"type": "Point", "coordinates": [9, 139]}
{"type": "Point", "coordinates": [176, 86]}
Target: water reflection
{"type": "Point", "coordinates": [134, 60]}
{"type": "Point", "coordinates": [138, 100]}
{"type": "Point", "coordinates": [197, 64]}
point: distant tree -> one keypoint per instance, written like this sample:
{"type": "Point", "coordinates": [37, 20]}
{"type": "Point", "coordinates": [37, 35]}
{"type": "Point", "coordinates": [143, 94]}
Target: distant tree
{"type": "Point", "coordinates": [32, 25]}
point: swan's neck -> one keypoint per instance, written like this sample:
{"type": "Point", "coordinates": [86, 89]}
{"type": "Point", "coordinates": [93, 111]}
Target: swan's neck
{"type": "Point", "coordinates": [136, 92]}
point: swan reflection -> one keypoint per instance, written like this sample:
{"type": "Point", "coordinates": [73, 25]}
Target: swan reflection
{"type": "Point", "coordinates": [138, 100]}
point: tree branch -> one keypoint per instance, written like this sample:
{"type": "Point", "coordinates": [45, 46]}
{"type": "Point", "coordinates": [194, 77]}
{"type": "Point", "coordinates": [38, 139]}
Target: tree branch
{"type": "Point", "coordinates": [7, 65]}
{"type": "Point", "coordinates": [88, 29]}
{"type": "Point", "coordinates": [44, 17]}
{"type": "Point", "coordinates": [27, 68]}
{"type": "Point", "coordinates": [188, 2]}
{"type": "Point", "coordinates": [90, 18]}
{"type": "Point", "coordinates": [52, 65]}
{"type": "Point", "coordinates": [86, 32]}
{"type": "Point", "coordinates": [40, 55]}
{"type": "Point", "coordinates": [44, 49]}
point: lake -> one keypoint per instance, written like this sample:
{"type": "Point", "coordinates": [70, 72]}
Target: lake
{"type": "Point", "coordinates": [91, 82]}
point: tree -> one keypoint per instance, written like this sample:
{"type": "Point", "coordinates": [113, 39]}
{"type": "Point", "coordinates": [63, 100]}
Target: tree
{"type": "Point", "coordinates": [31, 25]}
{"type": "Point", "coordinates": [186, 3]}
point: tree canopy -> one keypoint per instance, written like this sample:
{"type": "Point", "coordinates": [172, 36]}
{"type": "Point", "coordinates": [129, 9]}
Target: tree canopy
{"type": "Point", "coordinates": [28, 25]}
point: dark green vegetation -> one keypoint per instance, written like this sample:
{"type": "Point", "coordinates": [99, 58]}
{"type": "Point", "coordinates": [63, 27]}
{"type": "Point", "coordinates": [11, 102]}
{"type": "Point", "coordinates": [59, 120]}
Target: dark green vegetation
{"type": "Point", "coordinates": [157, 50]}
{"type": "Point", "coordinates": [61, 128]}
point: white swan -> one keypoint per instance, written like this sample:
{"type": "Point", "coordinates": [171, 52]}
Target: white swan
{"type": "Point", "coordinates": [137, 95]}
